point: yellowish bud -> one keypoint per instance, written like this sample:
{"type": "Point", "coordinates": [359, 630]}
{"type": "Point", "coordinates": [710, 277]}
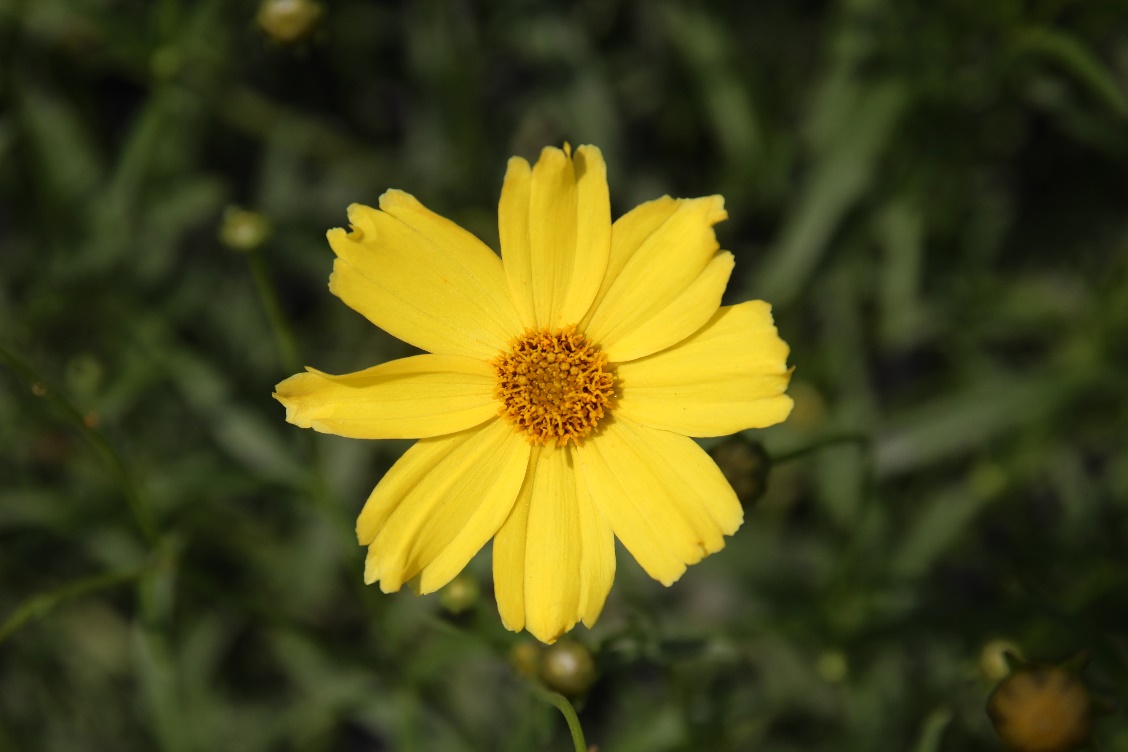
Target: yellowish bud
{"type": "Point", "coordinates": [567, 667]}
{"type": "Point", "coordinates": [243, 230]}
{"type": "Point", "coordinates": [993, 663]}
{"type": "Point", "coordinates": [525, 658]}
{"type": "Point", "coordinates": [288, 21]}
{"type": "Point", "coordinates": [460, 594]}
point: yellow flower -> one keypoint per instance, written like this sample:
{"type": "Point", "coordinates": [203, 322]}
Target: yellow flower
{"type": "Point", "coordinates": [561, 384]}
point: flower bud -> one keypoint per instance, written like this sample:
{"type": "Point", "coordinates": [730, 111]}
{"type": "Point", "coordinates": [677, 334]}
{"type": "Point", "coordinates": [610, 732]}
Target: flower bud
{"type": "Point", "coordinates": [288, 21]}
{"type": "Point", "coordinates": [994, 661]}
{"type": "Point", "coordinates": [745, 465]}
{"type": "Point", "coordinates": [460, 594]}
{"type": "Point", "coordinates": [525, 657]}
{"type": "Point", "coordinates": [243, 230]}
{"type": "Point", "coordinates": [567, 667]}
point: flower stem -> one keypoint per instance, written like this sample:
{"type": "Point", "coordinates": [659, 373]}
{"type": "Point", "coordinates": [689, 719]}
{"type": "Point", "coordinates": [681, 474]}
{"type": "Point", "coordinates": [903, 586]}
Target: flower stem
{"type": "Point", "coordinates": [287, 346]}
{"type": "Point", "coordinates": [283, 336]}
{"type": "Point", "coordinates": [560, 702]}
{"type": "Point", "coordinates": [864, 440]}
{"type": "Point", "coordinates": [142, 514]}
{"type": "Point", "coordinates": [41, 604]}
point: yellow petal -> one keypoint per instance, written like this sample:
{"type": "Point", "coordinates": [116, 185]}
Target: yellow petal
{"type": "Point", "coordinates": [552, 231]}
{"type": "Point", "coordinates": [727, 377]}
{"type": "Point", "coordinates": [554, 558]}
{"type": "Point", "coordinates": [683, 316]}
{"type": "Point", "coordinates": [673, 241]}
{"type": "Point", "coordinates": [410, 398]}
{"type": "Point", "coordinates": [513, 230]}
{"type": "Point", "coordinates": [423, 279]}
{"type": "Point", "coordinates": [569, 229]}
{"type": "Point", "coordinates": [509, 548]}
{"type": "Point", "coordinates": [664, 498]}
{"type": "Point", "coordinates": [552, 554]}
{"type": "Point", "coordinates": [628, 233]}
{"type": "Point", "coordinates": [593, 234]}
{"type": "Point", "coordinates": [597, 557]}
{"type": "Point", "coordinates": [439, 504]}
{"type": "Point", "coordinates": [482, 525]}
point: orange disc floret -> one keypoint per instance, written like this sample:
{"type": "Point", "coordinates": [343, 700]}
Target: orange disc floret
{"type": "Point", "coordinates": [554, 385]}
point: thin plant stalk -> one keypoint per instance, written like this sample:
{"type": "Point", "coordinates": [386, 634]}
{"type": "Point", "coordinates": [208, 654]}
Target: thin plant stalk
{"type": "Point", "coordinates": [560, 702]}
{"type": "Point", "coordinates": [142, 513]}
{"type": "Point", "coordinates": [279, 326]}
{"type": "Point", "coordinates": [41, 604]}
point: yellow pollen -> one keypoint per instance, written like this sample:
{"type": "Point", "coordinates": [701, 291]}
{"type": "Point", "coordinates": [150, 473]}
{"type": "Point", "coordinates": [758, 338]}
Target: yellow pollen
{"type": "Point", "coordinates": [554, 386]}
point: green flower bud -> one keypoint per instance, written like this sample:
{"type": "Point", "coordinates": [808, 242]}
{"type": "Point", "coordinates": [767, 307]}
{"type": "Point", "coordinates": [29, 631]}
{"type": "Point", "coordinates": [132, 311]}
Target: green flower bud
{"type": "Point", "coordinates": [567, 667]}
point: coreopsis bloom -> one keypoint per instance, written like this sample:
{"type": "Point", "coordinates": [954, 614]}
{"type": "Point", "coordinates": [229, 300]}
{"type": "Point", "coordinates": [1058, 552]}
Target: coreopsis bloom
{"type": "Point", "coordinates": [561, 384]}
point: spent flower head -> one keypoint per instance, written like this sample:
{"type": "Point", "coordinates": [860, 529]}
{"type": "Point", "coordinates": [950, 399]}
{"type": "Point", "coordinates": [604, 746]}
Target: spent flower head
{"type": "Point", "coordinates": [1043, 708]}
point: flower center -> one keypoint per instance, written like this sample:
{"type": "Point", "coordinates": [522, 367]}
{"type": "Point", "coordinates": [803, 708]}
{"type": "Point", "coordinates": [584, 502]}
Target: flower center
{"type": "Point", "coordinates": [553, 385]}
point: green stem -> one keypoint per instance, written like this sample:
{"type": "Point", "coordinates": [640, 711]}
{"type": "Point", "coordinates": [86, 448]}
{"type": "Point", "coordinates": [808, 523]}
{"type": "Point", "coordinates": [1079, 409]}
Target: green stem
{"type": "Point", "coordinates": [286, 343]}
{"type": "Point", "coordinates": [862, 439]}
{"type": "Point", "coordinates": [560, 702]}
{"type": "Point", "coordinates": [864, 442]}
{"type": "Point", "coordinates": [141, 511]}
{"type": "Point", "coordinates": [283, 336]}
{"type": "Point", "coordinates": [39, 605]}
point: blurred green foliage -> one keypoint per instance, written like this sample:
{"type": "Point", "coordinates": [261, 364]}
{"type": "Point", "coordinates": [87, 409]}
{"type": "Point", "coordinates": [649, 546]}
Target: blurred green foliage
{"type": "Point", "coordinates": [931, 194]}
